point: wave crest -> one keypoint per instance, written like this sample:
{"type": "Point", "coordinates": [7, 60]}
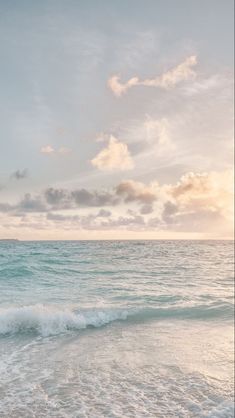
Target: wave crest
{"type": "Point", "coordinates": [47, 321]}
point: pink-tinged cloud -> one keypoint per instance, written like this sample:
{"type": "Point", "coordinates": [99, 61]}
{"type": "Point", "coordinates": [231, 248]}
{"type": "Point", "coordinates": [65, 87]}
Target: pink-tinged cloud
{"type": "Point", "coordinates": [115, 156]}
{"type": "Point", "coordinates": [169, 79]}
{"type": "Point", "coordinates": [197, 203]}
{"type": "Point", "coordinates": [48, 149]}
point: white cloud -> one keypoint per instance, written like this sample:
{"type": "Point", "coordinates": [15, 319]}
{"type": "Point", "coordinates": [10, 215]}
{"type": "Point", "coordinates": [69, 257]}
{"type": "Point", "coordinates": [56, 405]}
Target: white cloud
{"type": "Point", "coordinates": [211, 191]}
{"type": "Point", "coordinates": [119, 88]}
{"type": "Point", "coordinates": [158, 134]}
{"type": "Point", "coordinates": [115, 156]}
{"type": "Point", "coordinates": [181, 72]}
{"type": "Point", "coordinates": [48, 149]}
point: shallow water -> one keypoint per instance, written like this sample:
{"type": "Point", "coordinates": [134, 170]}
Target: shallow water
{"type": "Point", "coordinates": [116, 329]}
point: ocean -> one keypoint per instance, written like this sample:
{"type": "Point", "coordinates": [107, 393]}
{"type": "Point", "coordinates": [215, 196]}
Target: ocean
{"type": "Point", "coordinates": [116, 329]}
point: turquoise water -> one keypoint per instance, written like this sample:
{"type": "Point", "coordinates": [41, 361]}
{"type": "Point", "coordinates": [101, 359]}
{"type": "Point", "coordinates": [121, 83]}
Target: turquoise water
{"type": "Point", "coordinates": [116, 329]}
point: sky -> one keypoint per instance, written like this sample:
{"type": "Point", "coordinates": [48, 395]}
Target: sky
{"type": "Point", "coordinates": [116, 119]}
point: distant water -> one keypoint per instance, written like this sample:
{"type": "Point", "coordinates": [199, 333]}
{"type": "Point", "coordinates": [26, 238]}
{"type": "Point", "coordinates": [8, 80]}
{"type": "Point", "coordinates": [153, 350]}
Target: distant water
{"type": "Point", "coordinates": [116, 329]}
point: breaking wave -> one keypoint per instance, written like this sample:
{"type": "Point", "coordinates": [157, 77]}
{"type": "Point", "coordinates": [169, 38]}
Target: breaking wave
{"type": "Point", "coordinates": [48, 320]}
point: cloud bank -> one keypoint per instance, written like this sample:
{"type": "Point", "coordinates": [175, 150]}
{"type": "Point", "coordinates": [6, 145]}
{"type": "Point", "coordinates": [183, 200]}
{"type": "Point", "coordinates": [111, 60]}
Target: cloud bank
{"type": "Point", "coordinates": [198, 202]}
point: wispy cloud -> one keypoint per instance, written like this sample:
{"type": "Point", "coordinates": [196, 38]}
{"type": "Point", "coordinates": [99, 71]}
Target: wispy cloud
{"type": "Point", "coordinates": [64, 150]}
{"type": "Point", "coordinates": [115, 156]}
{"type": "Point", "coordinates": [48, 149]}
{"type": "Point", "coordinates": [169, 79]}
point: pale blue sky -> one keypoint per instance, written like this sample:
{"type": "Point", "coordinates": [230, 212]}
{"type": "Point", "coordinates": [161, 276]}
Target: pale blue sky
{"type": "Point", "coordinates": [56, 59]}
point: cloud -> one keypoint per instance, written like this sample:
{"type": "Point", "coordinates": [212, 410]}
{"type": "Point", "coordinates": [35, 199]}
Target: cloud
{"type": "Point", "coordinates": [57, 217]}
{"type": "Point", "coordinates": [198, 202]}
{"type": "Point", "coordinates": [126, 221]}
{"type": "Point", "coordinates": [31, 204]}
{"type": "Point", "coordinates": [48, 149]}
{"type": "Point", "coordinates": [158, 135]}
{"type": "Point", "coordinates": [182, 72]}
{"type": "Point", "coordinates": [19, 174]}
{"type": "Point", "coordinates": [6, 207]}
{"type": "Point", "coordinates": [157, 130]}
{"type": "Point", "coordinates": [104, 213]}
{"type": "Point", "coordinates": [60, 198]}
{"type": "Point", "coordinates": [56, 197]}
{"type": "Point", "coordinates": [211, 191]}
{"type": "Point", "coordinates": [146, 209]}
{"type": "Point", "coordinates": [119, 88]}
{"type": "Point", "coordinates": [135, 191]}
{"type": "Point", "coordinates": [115, 156]}
{"type": "Point", "coordinates": [83, 197]}
{"type": "Point", "coordinates": [213, 82]}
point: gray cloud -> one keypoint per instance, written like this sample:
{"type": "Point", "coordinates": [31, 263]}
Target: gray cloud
{"type": "Point", "coordinates": [60, 198]}
{"type": "Point", "coordinates": [134, 222]}
{"type": "Point", "coordinates": [102, 220]}
{"type": "Point", "coordinates": [55, 196]}
{"type": "Point", "coordinates": [104, 213]}
{"type": "Point", "coordinates": [57, 217]}
{"type": "Point", "coordinates": [132, 191]}
{"type": "Point", "coordinates": [19, 174]}
{"type": "Point", "coordinates": [6, 207]}
{"type": "Point", "coordinates": [169, 212]}
{"type": "Point", "coordinates": [84, 197]}
{"type": "Point", "coordinates": [198, 202]}
{"type": "Point", "coordinates": [31, 204]}
{"type": "Point", "coordinates": [146, 209]}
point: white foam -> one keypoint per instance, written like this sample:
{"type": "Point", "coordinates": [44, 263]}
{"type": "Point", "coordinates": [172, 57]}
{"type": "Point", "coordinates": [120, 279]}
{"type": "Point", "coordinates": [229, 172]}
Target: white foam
{"type": "Point", "coordinates": [224, 410]}
{"type": "Point", "coordinates": [48, 320]}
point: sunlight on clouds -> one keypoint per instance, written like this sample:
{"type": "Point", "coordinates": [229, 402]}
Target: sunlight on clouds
{"type": "Point", "coordinates": [199, 203]}
{"type": "Point", "coordinates": [137, 191]}
{"type": "Point", "coordinates": [115, 156]}
{"type": "Point", "coordinates": [182, 72]}
{"type": "Point", "coordinates": [208, 191]}
{"type": "Point", "coordinates": [158, 135]}
{"type": "Point", "coordinates": [48, 149]}
{"type": "Point", "coordinates": [157, 130]}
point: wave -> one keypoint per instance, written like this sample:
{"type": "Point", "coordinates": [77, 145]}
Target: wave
{"type": "Point", "coordinates": [48, 320]}
{"type": "Point", "coordinates": [200, 312]}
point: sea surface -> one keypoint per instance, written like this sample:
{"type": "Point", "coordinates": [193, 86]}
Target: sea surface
{"type": "Point", "coordinates": [116, 329]}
